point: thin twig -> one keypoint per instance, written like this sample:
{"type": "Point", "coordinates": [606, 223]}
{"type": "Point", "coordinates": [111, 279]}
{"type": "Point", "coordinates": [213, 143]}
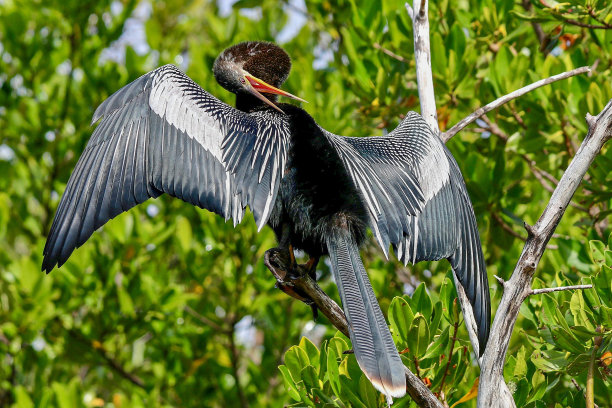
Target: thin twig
{"type": "Point", "coordinates": [507, 98]}
{"type": "Point", "coordinates": [99, 349]}
{"type": "Point", "coordinates": [206, 320]}
{"type": "Point", "coordinates": [389, 53]}
{"type": "Point", "coordinates": [450, 357]}
{"type": "Point", "coordinates": [560, 288]}
{"type": "Point", "coordinates": [596, 18]}
{"type": "Point", "coordinates": [579, 388]}
{"type": "Point", "coordinates": [586, 25]}
{"type": "Point", "coordinates": [416, 367]}
{"type": "Point", "coordinates": [512, 232]}
{"type": "Point", "coordinates": [541, 175]}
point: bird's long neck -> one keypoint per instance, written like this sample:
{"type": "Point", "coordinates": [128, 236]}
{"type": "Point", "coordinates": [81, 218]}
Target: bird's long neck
{"type": "Point", "coordinates": [249, 103]}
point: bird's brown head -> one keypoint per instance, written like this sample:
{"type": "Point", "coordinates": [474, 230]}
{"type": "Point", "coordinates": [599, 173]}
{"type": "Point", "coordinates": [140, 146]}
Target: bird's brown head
{"type": "Point", "coordinates": [252, 68]}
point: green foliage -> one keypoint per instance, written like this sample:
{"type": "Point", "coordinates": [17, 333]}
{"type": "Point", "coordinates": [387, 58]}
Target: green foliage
{"type": "Point", "coordinates": [568, 328]}
{"type": "Point", "coordinates": [425, 332]}
{"type": "Point", "coordinates": [168, 305]}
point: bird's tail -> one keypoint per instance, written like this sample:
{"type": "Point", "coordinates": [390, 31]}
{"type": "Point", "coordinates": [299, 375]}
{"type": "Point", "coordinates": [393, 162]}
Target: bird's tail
{"type": "Point", "coordinates": [372, 343]}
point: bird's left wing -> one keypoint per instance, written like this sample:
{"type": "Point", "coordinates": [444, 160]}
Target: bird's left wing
{"type": "Point", "coordinates": [417, 202]}
{"type": "Point", "coordinates": [163, 133]}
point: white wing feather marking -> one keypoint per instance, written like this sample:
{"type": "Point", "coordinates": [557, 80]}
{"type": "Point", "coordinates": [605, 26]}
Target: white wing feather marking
{"type": "Point", "coordinates": [169, 107]}
{"type": "Point", "coordinates": [173, 99]}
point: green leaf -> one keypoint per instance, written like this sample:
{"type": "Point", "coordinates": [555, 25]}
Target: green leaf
{"type": "Point", "coordinates": [566, 340]}
{"type": "Point", "coordinates": [520, 369]}
{"type": "Point", "coordinates": [522, 390]}
{"type": "Point", "coordinates": [578, 309]}
{"type": "Point", "coordinates": [602, 283]}
{"type": "Point", "coordinates": [369, 395]}
{"type": "Point", "coordinates": [439, 345]}
{"type": "Point", "coordinates": [184, 233]}
{"type": "Point", "coordinates": [350, 392]}
{"type": "Point", "coordinates": [538, 383]}
{"type": "Point", "coordinates": [418, 336]}
{"type": "Point", "coordinates": [295, 360]}
{"type": "Point", "coordinates": [66, 394]}
{"type": "Point", "coordinates": [400, 318]}
{"type": "Point", "coordinates": [311, 351]}
{"type": "Point", "coordinates": [333, 374]}
{"type": "Point", "coordinates": [289, 383]}
{"type": "Point", "coordinates": [421, 302]}
{"type": "Point", "coordinates": [310, 377]}
{"type": "Point", "coordinates": [22, 398]}
{"type": "Point", "coordinates": [456, 40]}
{"type": "Point", "coordinates": [447, 295]}
{"type": "Point", "coordinates": [546, 363]}
{"type": "Point", "coordinates": [597, 251]}
{"type": "Point", "coordinates": [579, 364]}
{"type": "Point", "coordinates": [125, 302]}
{"type": "Point", "coordinates": [436, 317]}
{"type": "Point", "coordinates": [323, 361]}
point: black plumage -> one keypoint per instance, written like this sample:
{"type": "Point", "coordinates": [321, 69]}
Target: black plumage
{"type": "Point", "coordinates": [318, 191]}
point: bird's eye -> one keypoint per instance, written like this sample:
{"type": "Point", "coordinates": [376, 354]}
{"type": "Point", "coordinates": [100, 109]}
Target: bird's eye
{"type": "Point", "coordinates": [243, 81]}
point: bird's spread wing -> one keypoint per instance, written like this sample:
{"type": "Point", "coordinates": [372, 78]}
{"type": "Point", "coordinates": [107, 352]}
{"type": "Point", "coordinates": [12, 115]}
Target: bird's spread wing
{"type": "Point", "coordinates": [160, 134]}
{"type": "Point", "coordinates": [417, 201]}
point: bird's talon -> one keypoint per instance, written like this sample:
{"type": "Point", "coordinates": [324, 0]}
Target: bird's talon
{"type": "Point", "coordinates": [315, 311]}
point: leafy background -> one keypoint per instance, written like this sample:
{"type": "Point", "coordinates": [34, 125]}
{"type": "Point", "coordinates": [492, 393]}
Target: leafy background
{"type": "Point", "coordinates": [169, 306]}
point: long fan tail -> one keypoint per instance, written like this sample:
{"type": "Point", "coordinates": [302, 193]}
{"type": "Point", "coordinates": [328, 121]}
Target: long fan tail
{"type": "Point", "coordinates": [372, 342]}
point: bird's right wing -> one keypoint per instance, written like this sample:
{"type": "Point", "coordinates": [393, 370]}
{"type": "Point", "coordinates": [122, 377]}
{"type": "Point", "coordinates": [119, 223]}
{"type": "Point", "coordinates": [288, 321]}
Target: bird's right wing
{"type": "Point", "coordinates": [417, 202]}
{"type": "Point", "coordinates": [163, 133]}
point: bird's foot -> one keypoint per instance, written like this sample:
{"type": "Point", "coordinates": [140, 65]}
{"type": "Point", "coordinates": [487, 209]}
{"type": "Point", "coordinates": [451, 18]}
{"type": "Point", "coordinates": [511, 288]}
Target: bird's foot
{"type": "Point", "coordinates": [311, 267]}
{"type": "Point", "coordinates": [286, 270]}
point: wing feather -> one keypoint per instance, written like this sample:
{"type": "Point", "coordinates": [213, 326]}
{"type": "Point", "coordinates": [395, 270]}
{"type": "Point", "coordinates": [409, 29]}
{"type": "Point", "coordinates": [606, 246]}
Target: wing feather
{"type": "Point", "coordinates": [164, 134]}
{"type": "Point", "coordinates": [417, 202]}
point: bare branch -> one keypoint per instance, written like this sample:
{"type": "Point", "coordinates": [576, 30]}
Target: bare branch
{"type": "Point", "coordinates": [301, 286]}
{"type": "Point", "coordinates": [492, 390]}
{"type": "Point", "coordinates": [507, 98]}
{"type": "Point", "coordinates": [422, 57]}
{"type": "Point", "coordinates": [560, 288]}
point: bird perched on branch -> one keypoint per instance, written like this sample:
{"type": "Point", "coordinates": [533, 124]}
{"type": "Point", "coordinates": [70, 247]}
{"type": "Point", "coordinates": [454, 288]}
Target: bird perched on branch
{"type": "Point", "coordinates": [318, 191]}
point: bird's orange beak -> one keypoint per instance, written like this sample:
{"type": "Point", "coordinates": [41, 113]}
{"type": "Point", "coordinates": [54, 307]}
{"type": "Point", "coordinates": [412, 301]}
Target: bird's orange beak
{"type": "Point", "coordinates": [259, 86]}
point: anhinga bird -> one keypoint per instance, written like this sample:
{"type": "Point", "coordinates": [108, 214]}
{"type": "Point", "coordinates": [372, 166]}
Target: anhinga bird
{"type": "Point", "coordinates": [319, 192]}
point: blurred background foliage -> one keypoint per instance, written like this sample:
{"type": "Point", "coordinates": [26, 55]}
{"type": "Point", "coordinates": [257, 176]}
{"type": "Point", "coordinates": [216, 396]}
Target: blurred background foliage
{"type": "Point", "coordinates": [169, 306]}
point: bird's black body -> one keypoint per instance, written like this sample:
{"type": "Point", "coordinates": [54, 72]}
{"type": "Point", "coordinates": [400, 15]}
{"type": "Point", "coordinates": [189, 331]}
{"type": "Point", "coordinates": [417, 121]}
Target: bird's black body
{"type": "Point", "coordinates": [317, 196]}
{"type": "Point", "coordinates": [320, 192]}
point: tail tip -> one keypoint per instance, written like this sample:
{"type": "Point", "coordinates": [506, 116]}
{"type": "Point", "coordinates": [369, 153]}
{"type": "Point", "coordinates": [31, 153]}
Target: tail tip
{"type": "Point", "coordinates": [395, 389]}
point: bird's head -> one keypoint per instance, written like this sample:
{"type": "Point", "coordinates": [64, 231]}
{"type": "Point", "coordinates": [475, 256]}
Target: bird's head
{"type": "Point", "coordinates": [254, 68]}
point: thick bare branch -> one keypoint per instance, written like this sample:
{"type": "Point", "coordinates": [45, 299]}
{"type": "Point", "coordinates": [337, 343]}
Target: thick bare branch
{"type": "Point", "coordinates": [422, 57]}
{"type": "Point", "coordinates": [507, 98]}
{"type": "Point", "coordinates": [492, 390]}
{"type": "Point", "coordinates": [560, 288]}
